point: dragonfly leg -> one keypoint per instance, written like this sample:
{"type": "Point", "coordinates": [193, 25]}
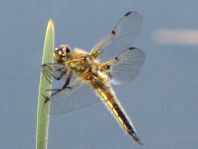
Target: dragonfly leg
{"type": "Point", "coordinates": [67, 81]}
{"type": "Point", "coordinates": [65, 85]}
{"type": "Point", "coordinates": [46, 98]}
{"type": "Point", "coordinates": [69, 74]}
{"type": "Point", "coordinates": [54, 93]}
{"type": "Point", "coordinates": [48, 70]}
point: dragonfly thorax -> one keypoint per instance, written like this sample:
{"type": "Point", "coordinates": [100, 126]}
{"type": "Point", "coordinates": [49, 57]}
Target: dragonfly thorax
{"type": "Point", "coordinates": [81, 62]}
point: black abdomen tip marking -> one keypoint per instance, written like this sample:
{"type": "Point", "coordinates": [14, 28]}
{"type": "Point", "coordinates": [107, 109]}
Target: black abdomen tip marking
{"type": "Point", "coordinates": [135, 136]}
{"type": "Point", "coordinates": [128, 13]}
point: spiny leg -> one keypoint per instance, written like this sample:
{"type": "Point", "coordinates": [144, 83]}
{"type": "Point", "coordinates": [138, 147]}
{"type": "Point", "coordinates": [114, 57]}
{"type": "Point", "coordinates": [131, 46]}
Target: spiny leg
{"type": "Point", "coordinates": [47, 67]}
{"type": "Point", "coordinates": [67, 81]}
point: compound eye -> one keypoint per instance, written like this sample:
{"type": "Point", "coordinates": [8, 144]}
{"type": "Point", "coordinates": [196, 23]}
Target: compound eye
{"type": "Point", "coordinates": [68, 50]}
{"type": "Point", "coordinates": [65, 50]}
{"type": "Point", "coordinates": [58, 56]}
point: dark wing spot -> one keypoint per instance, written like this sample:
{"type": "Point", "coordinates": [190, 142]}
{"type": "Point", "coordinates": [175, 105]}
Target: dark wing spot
{"type": "Point", "coordinates": [116, 58]}
{"type": "Point", "coordinates": [128, 13]}
{"type": "Point", "coordinates": [113, 32]}
{"type": "Point", "coordinates": [132, 48]}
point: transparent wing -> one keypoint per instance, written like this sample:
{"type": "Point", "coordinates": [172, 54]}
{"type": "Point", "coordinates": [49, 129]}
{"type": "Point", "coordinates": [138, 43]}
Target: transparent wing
{"type": "Point", "coordinates": [126, 66]}
{"type": "Point", "coordinates": [77, 96]}
{"type": "Point", "coordinates": [54, 69]}
{"type": "Point", "coordinates": [122, 36]}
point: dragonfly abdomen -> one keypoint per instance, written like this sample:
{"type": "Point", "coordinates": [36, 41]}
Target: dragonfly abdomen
{"type": "Point", "coordinates": [109, 98]}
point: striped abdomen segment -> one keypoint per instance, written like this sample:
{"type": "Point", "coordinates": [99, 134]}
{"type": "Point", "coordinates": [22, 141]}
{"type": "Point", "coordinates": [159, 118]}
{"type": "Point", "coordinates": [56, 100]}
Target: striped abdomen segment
{"type": "Point", "coordinates": [108, 96]}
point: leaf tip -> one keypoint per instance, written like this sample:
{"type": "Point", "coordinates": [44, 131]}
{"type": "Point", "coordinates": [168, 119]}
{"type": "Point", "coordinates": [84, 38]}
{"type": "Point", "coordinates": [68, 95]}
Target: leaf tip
{"type": "Point", "coordinates": [50, 23]}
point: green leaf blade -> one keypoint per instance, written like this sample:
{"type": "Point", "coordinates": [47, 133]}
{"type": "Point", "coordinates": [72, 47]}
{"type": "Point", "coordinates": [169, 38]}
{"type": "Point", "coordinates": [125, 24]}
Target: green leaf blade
{"type": "Point", "coordinates": [44, 108]}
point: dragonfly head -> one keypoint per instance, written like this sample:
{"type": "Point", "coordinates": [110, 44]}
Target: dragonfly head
{"type": "Point", "coordinates": [61, 53]}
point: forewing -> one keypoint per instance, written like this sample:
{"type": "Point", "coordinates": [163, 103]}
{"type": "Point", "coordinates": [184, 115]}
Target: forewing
{"type": "Point", "coordinates": [126, 66]}
{"type": "Point", "coordinates": [122, 36]}
{"type": "Point", "coordinates": [77, 96]}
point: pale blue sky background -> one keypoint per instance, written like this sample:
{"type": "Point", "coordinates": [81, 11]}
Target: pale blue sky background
{"type": "Point", "coordinates": [162, 101]}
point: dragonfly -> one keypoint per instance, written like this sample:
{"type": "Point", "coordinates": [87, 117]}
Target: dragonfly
{"type": "Point", "coordinates": [111, 61]}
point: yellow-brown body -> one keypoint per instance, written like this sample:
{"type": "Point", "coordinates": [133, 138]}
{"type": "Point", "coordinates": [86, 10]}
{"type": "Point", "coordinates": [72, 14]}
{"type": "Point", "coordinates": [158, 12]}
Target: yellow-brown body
{"type": "Point", "coordinates": [91, 71]}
